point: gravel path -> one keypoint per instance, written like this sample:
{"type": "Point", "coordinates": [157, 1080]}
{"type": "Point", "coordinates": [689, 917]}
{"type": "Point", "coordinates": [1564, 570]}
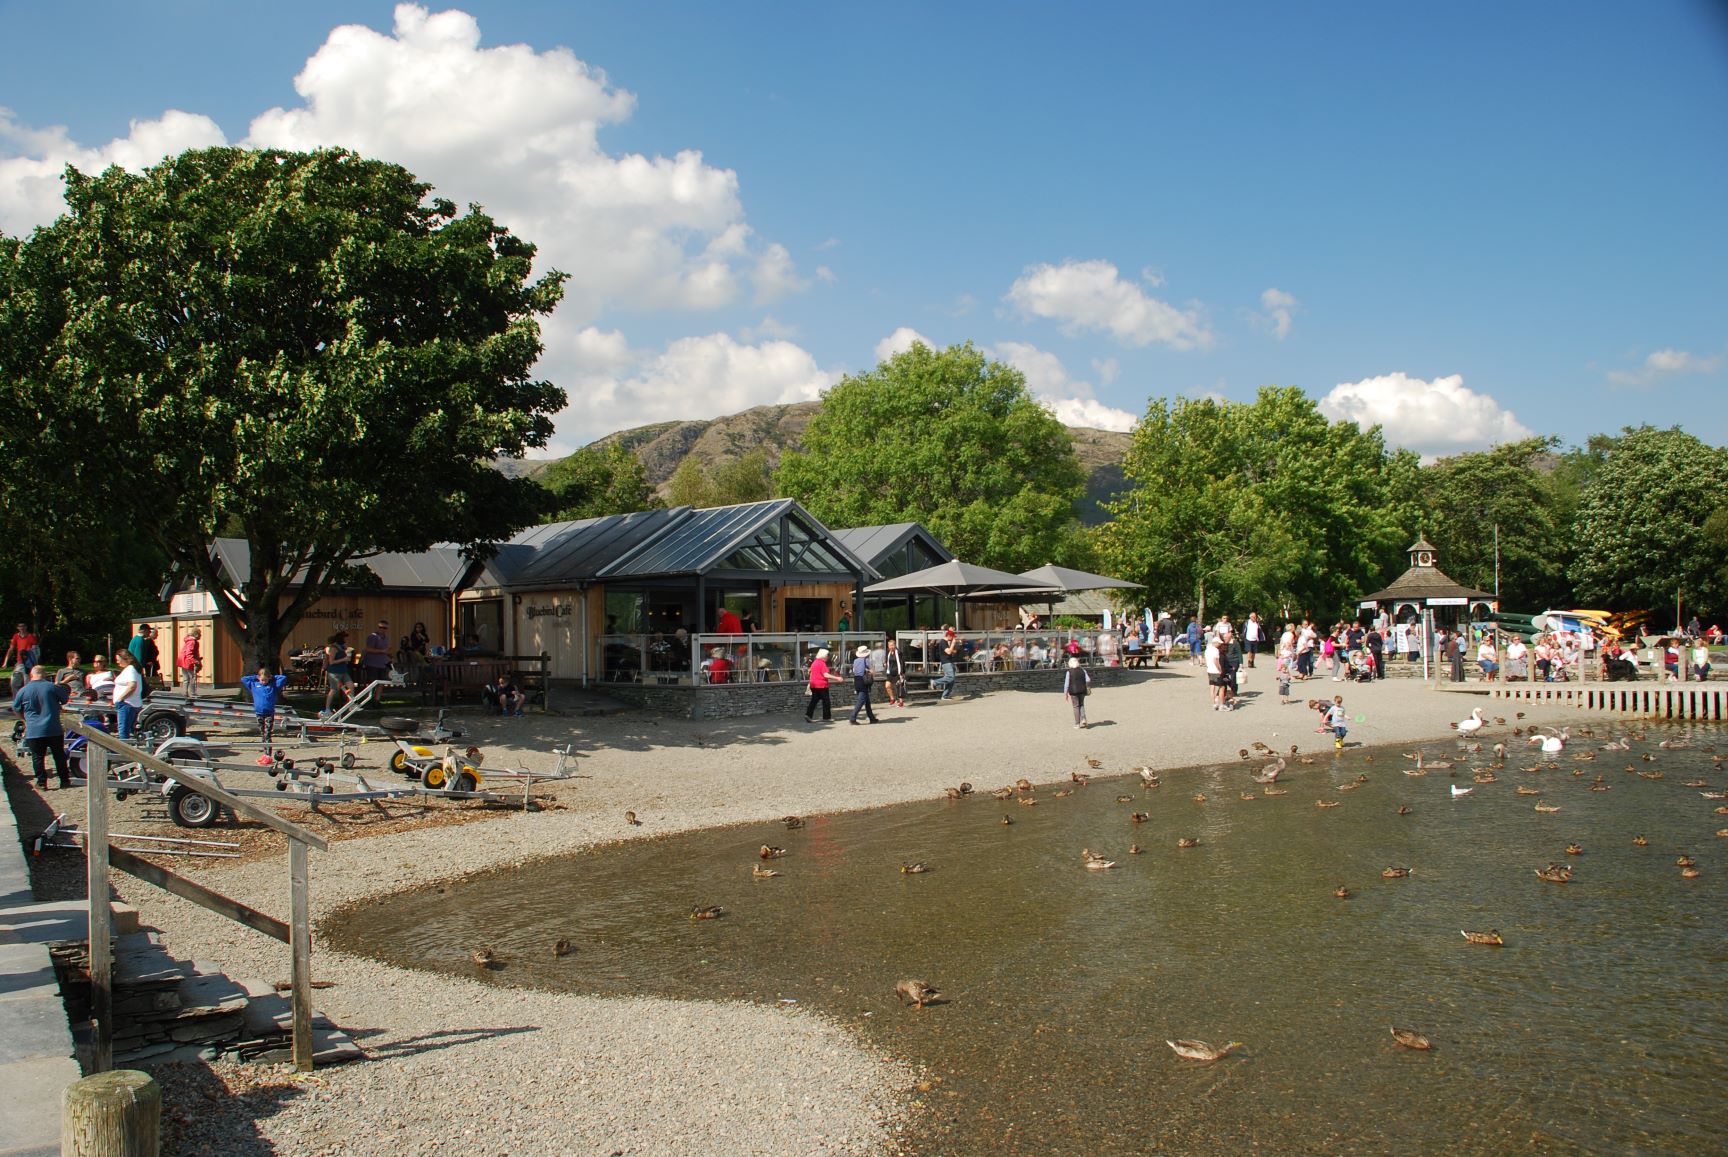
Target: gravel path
{"type": "Point", "coordinates": [467, 1068]}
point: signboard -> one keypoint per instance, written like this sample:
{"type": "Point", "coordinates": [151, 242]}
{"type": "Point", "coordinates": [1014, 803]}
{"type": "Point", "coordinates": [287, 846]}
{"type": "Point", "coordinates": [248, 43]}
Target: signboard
{"type": "Point", "coordinates": [1368, 606]}
{"type": "Point", "coordinates": [1448, 602]}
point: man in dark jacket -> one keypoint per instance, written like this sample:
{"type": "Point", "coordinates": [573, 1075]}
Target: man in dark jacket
{"type": "Point", "coordinates": [894, 675]}
{"type": "Point", "coordinates": [39, 703]}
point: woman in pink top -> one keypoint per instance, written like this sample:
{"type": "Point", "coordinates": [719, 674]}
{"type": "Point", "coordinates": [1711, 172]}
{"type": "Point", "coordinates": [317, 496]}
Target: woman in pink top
{"type": "Point", "coordinates": [820, 679]}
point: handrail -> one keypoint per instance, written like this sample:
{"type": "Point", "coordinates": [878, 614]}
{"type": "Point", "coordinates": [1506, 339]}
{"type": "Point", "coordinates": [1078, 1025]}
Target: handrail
{"type": "Point", "coordinates": [195, 783]}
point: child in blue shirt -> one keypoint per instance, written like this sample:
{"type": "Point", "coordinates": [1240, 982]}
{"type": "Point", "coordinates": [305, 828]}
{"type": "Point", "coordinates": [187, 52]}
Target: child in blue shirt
{"type": "Point", "coordinates": [1335, 720]}
{"type": "Point", "coordinates": [266, 693]}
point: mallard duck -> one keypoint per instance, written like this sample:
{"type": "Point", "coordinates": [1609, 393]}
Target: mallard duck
{"type": "Point", "coordinates": [1574, 849]}
{"type": "Point", "coordinates": [1411, 1040]}
{"type": "Point", "coordinates": [1305, 760]}
{"type": "Point", "coordinates": [1272, 791]}
{"type": "Point", "coordinates": [1247, 796]}
{"type": "Point", "coordinates": [793, 823]}
{"type": "Point", "coordinates": [1271, 772]}
{"type": "Point", "coordinates": [1341, 892]}
{"type": "Point", "coordinates": [1026, 801]}
{"type": "Point", "coordinates": [1139, 817]}
{"type": "Point", "coordinates": [769, 852]}
{"type": "Point", "coordinates": [560, 947]}
{"type": "Point", "coordinates": [1491, 938]}
{"type": "Point", "coordinates": [1415, 772]}
{"type": "Point", "coordinates": [1187, 842]}
{"type": "Point", "coordinates": [1023, 784]}
{"type": "Point", "coordinates": [1199, 797]}
{"type": "Point", "coordinates": [484, 957]}
{"type": "Point", "coordinates": [1403, 809]}
{"type": "Point", "coordinates": [1326, 803]}
{"type": "Point", "coordinates": [1080, 778]}
{"type": "Point", "coordinates": [1199, 1050]}
{"type": "Point", "coordinates": [914, 868]}
{"type": "Point", "coordinates": [1650, 775]}
{"type": "Point", "coordinates": [1134, 849]}
{"type": "Point", "coordinates": [1684, 861]}
{"type": "Point", "coordinates": [1723, 810]}
{"type": "Point", "coordinates": [1007, 821]}
{"type": "Point", "coordinates": [1690, 873]}
{"type": "Point", "coordinates": [1500, 720]}
{"type": "Point", "coordinates": [1600, 787]}
{"type": "Point", "coordinates": [1148, 777]}
{"type": "Point", "coordinates": [1696, 783]}
{"type": "Point", "coordinates": [1526, 791]}
{"type": "Point", "coordinates": [707, 912]}
{"type": "Point", "coordinates": [1063, 792]}
{"type": "Point", "coordinates": [1545, 808]}
{"type": "Point", "coordinates": [1094, 764]}
{"type": "Point", "coordinates": [1244, 753]}
{"type": "Point", "coordinates": [1395, 873]}
{"type": "Point", "coordinates": [1002, 792]}
{"type": "Point", "coordinates": [1348, 786]}
{"type": "Point", "coordinates": [915, 992]}
{"type": "Point", "coordinates": [1124, 799]}
{"type": "Point", "coordinates": [951, 792]}
{"type": "Point", "coordinates": [763, 873]}
{"type": "Point", "coordinates": [1099, 865]}
{"type": "Point", "coordinates": [1554, 874]}
{"type": "Point", "coordinates": [1722, 833]}
{"type": "Point", "coordinates": [1258, 745]}
{"type": "Point", "coordinates": [1640, 842]}
{"type": "Point", "coordinates": [630, 819]}
{"type": "Point", "coordinates": [965, 788]}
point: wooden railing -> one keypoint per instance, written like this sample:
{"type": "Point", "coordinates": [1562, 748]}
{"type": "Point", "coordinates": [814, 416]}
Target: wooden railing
{"type": "Point", "coordinates": [99, 857]}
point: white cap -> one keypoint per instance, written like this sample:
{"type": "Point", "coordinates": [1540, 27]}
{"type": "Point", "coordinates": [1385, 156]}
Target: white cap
{"type": "Point", "coordinates": [861, 651]}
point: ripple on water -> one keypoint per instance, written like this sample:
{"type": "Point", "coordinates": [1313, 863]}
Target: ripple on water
{"type": "Point", "coordinates": [1595, 1027]}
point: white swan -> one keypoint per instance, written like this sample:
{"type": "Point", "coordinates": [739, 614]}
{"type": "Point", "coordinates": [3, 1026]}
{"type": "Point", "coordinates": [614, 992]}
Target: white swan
{"type": "Point", "coordinates": [1471, 725]}
{"type": "Point", "coordinates": [1458, 791]}
{"type": "Point", "coordinates": [1551, 744]}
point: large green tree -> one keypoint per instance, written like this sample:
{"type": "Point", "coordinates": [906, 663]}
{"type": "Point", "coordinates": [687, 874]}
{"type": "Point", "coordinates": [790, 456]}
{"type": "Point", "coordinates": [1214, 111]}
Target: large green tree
{"type": "Point", "coordinates": [1640, 531]}
{"type": "Point", "coordinates": [745, 478]}
{"type": "Point", "coordinates": [948, 438]}
{"type": "Point", "coordinates": [1515, 488]}
{"type": "Point", "coordinates": [1261, 505]}
{"type": "Point", "coordinates": [305, 348]}
{"type": "Point", "coordinates": [596, 481]}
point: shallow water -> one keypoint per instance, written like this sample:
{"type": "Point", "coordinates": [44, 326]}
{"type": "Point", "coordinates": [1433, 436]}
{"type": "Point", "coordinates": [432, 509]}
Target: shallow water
{"type": "Point", "coordinates": [1597, 1027]}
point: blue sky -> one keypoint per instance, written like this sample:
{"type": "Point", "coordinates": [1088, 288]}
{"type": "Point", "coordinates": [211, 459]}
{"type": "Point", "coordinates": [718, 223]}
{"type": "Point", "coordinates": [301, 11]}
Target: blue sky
{"type": "Point", "coordinates": [1466, 222]}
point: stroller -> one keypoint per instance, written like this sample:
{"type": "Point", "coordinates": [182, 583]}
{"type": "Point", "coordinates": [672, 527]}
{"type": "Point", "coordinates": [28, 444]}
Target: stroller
{"type": "Point", "coordinates": [1361, 669]}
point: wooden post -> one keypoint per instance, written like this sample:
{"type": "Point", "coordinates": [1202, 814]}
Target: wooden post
{"type": "Point", "coordinates": [116, 1114]}
{"type": "Point", "coordinates": [300, 946]}
{"type": "Point", "coordinates": [96, 868]}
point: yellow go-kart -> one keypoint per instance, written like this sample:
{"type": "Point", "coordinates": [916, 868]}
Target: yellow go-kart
{"type": "Point", "coordinates": [452, 771]}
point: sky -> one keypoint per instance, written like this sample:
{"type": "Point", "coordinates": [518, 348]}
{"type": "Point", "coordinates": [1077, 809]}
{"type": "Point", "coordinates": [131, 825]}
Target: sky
{"type": "Point", "coordinates": [1469, 223]}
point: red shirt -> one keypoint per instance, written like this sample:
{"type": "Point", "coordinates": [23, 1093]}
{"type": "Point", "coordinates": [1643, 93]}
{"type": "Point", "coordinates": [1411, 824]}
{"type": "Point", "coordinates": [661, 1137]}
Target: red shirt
{"type": "Point", "coordinates": [23, 643]}
{"type": "Point", "coordinates": [720, 670]}
{"type": "Point", "coordinates": [728, 624]}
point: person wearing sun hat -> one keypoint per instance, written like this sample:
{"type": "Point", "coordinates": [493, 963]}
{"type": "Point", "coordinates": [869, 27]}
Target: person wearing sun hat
{"type": "Point", "coordinates": [862, 677]}
{"type": "Point", "coordinates": [1076, 681]}
{"type": "Point", "coordinates": [821, 678]}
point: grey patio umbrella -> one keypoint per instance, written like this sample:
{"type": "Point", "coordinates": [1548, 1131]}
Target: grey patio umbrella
{"type": "Point", "coordinates": [1067, 579]}
{"type": "Point", "coordinates": [960, 580]}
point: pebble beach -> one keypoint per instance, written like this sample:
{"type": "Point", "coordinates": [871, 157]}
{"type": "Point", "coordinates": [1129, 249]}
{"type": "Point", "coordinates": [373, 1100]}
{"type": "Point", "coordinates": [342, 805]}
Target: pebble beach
{"type": "Point", "coordinates": [460, 1066]}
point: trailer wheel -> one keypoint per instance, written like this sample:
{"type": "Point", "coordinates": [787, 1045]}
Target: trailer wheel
{"type": "Point", "coordinates": [191, 810]}
{"type": "Point", "coordinates": [433, 777]}
{"type": "Point", "coordinates": [399, 763]}
{"type": "Point", "coordinates": [162, 727]}
{"type": "Point", "coordinates": [467, 782]}
{"type": "Point", "coordinates": [348, 760]}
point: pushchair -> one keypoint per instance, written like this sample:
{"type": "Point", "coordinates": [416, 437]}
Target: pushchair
{"type": "Point", "coordinates": [1361, 669]}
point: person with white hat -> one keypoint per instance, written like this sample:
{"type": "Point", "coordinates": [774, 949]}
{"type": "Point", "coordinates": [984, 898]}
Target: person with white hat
{"type": "Point", "coordinates": [820, 680]}
{"type": "Point", "coordinates": [1075, 683]}
{"type": "Point", "coordinates": [862, 677]}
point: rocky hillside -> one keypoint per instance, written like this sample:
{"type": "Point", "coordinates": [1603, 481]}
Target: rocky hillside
{"type": "Point", "coordinates": [776, 429]}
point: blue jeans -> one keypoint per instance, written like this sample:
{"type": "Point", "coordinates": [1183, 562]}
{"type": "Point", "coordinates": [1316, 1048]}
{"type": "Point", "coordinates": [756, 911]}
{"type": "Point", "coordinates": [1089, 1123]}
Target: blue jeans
{"type": "Point", "coordinates": [861, 702]}
{"type": "Point", "coordinates": [946, 680]}
{"type": "Point", "coordinates": [128, 719]}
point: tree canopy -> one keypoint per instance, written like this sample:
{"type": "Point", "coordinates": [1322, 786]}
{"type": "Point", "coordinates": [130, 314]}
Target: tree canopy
{"type": "Point", "coordinates": [1640, 532]}
{"type": "Point", "coordinates": [1514, 487]}
{"type": "Point", "coordinates": [745, 478]}
{"type": "Point", "coordinates": [596, 481]}
{"type": "Point", "coordinates": [950, 439]}
{"type": "Point", "coordinates": [1263, 504]}
{"type": "Point", "coordinates": [305, 348]}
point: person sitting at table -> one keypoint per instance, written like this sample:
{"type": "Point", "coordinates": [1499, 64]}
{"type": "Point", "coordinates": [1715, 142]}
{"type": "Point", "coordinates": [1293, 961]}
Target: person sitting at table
{"type": "Point", "coordinates": [718, 666]}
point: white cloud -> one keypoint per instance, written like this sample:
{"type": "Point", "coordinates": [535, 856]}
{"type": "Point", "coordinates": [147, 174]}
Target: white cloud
{"type": "Point", "coordinates": [776, 276]}
{"type": "Point", "coordinates": [1280, 310]}
{"type": "Point", "coordinates": [1091, 295]}
{"type": "Point", "coordinates": [1662, 363]}
{"type": "Point", "coordinates": [769, 326]}
{"type": "Point", "coordinates": [613, 387]}
{"type": "Point", "coordinates": [1106, 369]}
{"type": "Point", "coordinates": [1431, 417]}
{"type": "Point", "coordinates": [899, 342]}
{"type": "Point", "coordinates": [31, 191]}
{"type": "Point", "coordinates": [1069, 399]}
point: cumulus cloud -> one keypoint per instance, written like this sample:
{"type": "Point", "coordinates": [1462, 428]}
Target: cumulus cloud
{"type": "Point", "coordinates": [31, 190]}
{"type": "Point", "coordinates": [1280, 310]}
{"type": "Point", "coordinates": [899, 342]}
{"type": "Point", "coordinates": [1071, 400]}
{"type": "Point", "coordinates": [1092, 295]}
{"type": "Point", "coordinates": [613, 386]}
{"type": "Point", "coordinates": [1431, 417]}
{"type": "Point", "coordinates": [1665, 363]}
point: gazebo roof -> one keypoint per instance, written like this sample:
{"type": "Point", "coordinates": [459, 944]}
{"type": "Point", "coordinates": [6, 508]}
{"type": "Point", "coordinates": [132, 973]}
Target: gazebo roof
{"type": "Point", "coordinates": [1425, 582]}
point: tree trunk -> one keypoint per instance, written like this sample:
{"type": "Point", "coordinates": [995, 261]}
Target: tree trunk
{"type": "Point", "coordinates": [1201, 617]}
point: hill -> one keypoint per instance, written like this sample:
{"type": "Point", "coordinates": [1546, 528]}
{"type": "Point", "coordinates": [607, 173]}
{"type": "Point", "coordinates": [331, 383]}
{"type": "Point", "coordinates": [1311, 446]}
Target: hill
{"type": "Point", "coordinates": [662, 447]}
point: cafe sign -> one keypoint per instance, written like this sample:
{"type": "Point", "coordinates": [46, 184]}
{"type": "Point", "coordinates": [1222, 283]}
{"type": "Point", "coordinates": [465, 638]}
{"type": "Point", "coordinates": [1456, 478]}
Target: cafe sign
{"type": "Point", "coordinates": [548, 610]}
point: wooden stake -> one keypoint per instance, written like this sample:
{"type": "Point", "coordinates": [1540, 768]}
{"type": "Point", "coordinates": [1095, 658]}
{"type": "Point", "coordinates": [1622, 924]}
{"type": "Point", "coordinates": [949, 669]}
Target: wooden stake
{"type": "Point", "coordinates": [96, 866]}
{"type": "Point", "coordinates": [300, 945]}
{"type": "Point", "coordinates": [117, 1114]}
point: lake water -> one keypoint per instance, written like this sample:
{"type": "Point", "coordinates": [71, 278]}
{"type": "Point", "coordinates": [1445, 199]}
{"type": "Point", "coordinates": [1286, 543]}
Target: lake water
{"type": "Point", "coordinates": [1599, 1026]}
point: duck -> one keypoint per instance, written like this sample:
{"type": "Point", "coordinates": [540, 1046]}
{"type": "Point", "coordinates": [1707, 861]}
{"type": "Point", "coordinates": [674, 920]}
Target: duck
{"type": "Point", "coordinates": [1722, 833]}
{"type": "Point", "coordinates": [1007, 821]}
{"type": "Point", "coordinates": [1139, 817]}
{"type": "Point", "coordinates": [1684, 861]}
{"type": "Point", "coordinates": [793, 823]}
{"type": "Point", "coordinates": [1023, 784]}
{"type": "Point", "coordinates": [1002, 792]}
{"type": "Point", "coordinates": [1326, 803]}
{"type": "Point", "coordinates": [1640, 842]}
{"type": "Point", "coordinates": [1690, 873]}
{"type": "Point", "coordinates": [1247, 796]}
{"type": "Point", "coordinates": [1099, 865]}
{"type": "Point", "coordinates": [707, 912]}
{"type": "Point", "coordinates": [1271, 772]}
{"type": "Point", "coordinates": [1148, 777]}
{"type": "Point", "coordinates": [1396, 873]}
{"type": "Point", "coordinates": [1063, 792]}
{"type": "Point", "coordinates": [1415, 772]}
{"type": "Point", "coordinates": [1124, 799]}
{"type": "Point", "coordinates": [914, 868]}
{"type": "Point", "coordinates": [1458, 791]}
{"type": "Point", "coordinates": [1272, 791]}
{"type": "Point", "coordinates": [1026, 801]}
{"type": "Point", "coordinates": [1348, 786]}
{"type": "Point", "coordinates": [1574, 849]}
{"type": "Point", "coordinates": [1187, 842]}
{"type": "Point", "coordinates": [560, 947]}
{"type": "Point", "coordinates": [1199, 1050]}
{"type": "Point", "coordinates": [1135, 849]}
{"type": "Point", "coordinates": [1411, 1040]}
{"type": "Point", "coordinates": [965, 788]}
{"type": "Point", "coordinates": [1199, 797]}
{"type": "Point", "coordinates": [1094, 764]}
{"type": "Point", "coordinates": [1554, 874]}
{"type": "Point", "coordinates": [1473, 724]}
{"type": "Point", "coordinates": [1080, 778]}
{"type": "Point", "coordinates": [1600, 786]}
{"type": "Point", "coordinates": [484, 957]}
{"type": "Point", "coordinates": [951, 792]}
{"type": "Point", "coordinates": [763, 873]}
{"type": "Point", "coordinates": [631, 820]}
{"type": "Point", "coordinates": [1499, 721]}
{"type": "Point", "coordinates": [915, 992]}
{"type": "Point", "coordinates": [1521, 790]}
{"type": "Point", "coordinates": [1341, 892]}
{"type": "Point", "coordinates": [1490, 938]}
{"type": "Point", "coordinates": [1403, 809]}
{"type": "Point", "coordinates": [1546, 808]}
{"type": "Point", "coordinates": [770, 852]}
{"type": "Point", "coordinates": [1244, 753]}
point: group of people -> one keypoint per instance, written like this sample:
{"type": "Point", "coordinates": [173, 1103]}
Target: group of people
{"type": "Point", "coordinates": [344, 668]}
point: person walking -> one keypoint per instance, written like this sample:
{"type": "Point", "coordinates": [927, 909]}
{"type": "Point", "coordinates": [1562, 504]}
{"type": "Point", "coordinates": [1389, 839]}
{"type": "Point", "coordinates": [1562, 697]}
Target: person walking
{"type": "Point", "coordinates": [190, 660]}
{"type": "Point", "coordinates": [1335, 720]}
{"type": "Point", "coordinates": [39, 702]}
{"type": "Point", "coordinates": [820, 680]}
{"type": "Point", "coordinates": [338, 668]}
{"type": "Point", "coordinates": [148, 654]}
{"type": "Point", "coordinates": [1076, 682]}
{"type": "Point", "coordinates": [377, 655]}
{"type": "Point", "coordinates": [894, 674]}
{"type": "Point", "coordinates": [21, 655]}
{"type": "Point", "coordinates": [1253, 634]}
{"type": "Point", "coordinates": [949, 659]}
{"type": "Point", "coordinates": [861, 680]}
{"type": "Point", "coordinates": [127, 693]}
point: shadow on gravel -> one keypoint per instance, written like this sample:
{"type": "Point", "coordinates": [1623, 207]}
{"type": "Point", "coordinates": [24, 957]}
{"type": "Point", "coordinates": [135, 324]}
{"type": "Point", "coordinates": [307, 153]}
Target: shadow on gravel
{"type": "Point", "coordinates": [433, 1041]}
{"type": "Point", "coordinates": [202, 1113]}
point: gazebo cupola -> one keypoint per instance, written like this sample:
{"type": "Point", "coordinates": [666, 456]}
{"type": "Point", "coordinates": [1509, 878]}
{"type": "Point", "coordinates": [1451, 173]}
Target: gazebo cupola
{"type": "Point", "coordinates": [1421, 552]}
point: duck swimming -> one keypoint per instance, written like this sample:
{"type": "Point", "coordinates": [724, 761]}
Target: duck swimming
{"type": "Point", "coordinates": [1199, 1050]}
{"type": "Point", "coordinates": [1412, 1040]}
{"type": "Point", "coordinates": [1490, 938]}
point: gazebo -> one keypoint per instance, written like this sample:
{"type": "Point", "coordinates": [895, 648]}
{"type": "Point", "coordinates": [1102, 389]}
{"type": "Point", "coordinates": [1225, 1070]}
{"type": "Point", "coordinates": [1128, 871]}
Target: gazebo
{"type": "Point", "coordinates": [1425, 587]}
